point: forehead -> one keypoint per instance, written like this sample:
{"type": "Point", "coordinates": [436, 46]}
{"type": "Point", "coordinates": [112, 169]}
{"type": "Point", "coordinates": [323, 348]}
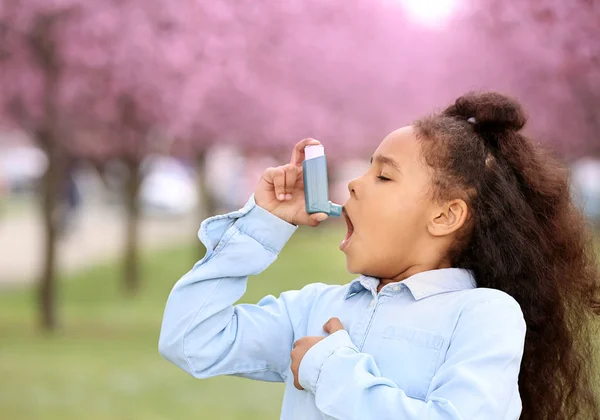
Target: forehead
{"type": "Point", "coordinates": [401, 145]}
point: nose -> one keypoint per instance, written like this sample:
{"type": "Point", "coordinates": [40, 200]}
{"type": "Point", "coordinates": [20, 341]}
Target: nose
{"type": "Point", "coordinates": [352, 187]}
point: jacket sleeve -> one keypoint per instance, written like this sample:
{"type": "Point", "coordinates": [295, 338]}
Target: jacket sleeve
{"type": "Point", "coordinates": [476, 381]}
{"type": "Point", "coordinates": [203, 332]}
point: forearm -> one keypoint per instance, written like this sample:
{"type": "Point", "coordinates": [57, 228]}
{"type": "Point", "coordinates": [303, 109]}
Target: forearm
{"type": "Point", "coordinates": [348, 385]}
{"type": "Point", "coordinates": [478, 378]}
{"type": "Point", "coordinates": [199, 325]}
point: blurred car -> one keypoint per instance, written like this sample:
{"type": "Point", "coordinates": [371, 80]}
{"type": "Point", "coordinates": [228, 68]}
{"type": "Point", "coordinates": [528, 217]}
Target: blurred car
{"type": "Point", "coordinates": [168, 188]}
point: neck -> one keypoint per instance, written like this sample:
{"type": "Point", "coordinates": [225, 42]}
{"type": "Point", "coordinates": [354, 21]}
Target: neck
{"type": "Point", "coordinates": [411, 271]}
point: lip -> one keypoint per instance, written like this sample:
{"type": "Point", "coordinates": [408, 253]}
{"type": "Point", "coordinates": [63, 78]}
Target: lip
{"type": "Point", "coordinates": [346, 241]}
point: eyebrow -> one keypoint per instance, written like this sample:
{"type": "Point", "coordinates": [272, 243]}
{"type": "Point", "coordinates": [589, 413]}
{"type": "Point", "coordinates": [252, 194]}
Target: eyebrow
{"type": "Point", "coordinates": [386, 161]}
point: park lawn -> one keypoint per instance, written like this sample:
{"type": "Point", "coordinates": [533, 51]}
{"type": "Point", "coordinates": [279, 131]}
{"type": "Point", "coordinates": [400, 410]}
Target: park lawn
{"type": "Point", "coordinates": [103, 362]}
{"type": "Point", "coordinates": [16, 206]}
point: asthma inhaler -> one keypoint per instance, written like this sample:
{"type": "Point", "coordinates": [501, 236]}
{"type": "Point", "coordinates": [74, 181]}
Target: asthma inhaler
{"type": "Point", "coordinates": [316, 189]}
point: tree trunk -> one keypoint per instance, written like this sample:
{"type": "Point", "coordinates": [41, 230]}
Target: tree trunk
{"type": "Point", "coordinates": [207, 205]}
{"type": "Point", "coordinates": [51, 190]}
{"type": "Point", "coordinates": [132, 207]}
{"type": "Point", "coordinates": [42, 44]}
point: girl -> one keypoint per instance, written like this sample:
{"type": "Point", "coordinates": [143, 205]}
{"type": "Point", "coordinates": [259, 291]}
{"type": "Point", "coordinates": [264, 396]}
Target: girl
{"type": "Point", "coordinates": [478, 284]}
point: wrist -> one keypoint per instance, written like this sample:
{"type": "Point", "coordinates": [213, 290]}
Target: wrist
{"type": "Point", "coordinates": [275, 212]}
{"type": "Point", "coordinates": [265, 227]}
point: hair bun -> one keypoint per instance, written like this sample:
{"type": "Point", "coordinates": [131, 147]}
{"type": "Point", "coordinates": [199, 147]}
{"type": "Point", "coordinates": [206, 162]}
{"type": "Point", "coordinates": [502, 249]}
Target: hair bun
{"type": "Point", "coordinates": [490, 110]}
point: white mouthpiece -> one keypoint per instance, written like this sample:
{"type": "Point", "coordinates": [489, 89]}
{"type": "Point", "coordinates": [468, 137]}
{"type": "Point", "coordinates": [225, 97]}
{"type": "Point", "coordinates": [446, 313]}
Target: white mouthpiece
{"type": "Point", "coordinates": [313, 151]}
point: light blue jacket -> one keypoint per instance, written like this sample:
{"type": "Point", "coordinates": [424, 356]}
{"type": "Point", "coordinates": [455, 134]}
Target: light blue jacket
{"type": "Point", "coordinates": [431, 347]}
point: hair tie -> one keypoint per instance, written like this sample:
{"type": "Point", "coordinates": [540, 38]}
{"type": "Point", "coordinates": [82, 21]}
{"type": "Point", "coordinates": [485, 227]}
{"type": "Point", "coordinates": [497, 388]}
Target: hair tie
{"type": "Point", "coordinates": [472, 120]}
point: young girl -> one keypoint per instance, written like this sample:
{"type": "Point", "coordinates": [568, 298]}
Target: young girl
{"type": "Point", "coordinates": [477, 289]}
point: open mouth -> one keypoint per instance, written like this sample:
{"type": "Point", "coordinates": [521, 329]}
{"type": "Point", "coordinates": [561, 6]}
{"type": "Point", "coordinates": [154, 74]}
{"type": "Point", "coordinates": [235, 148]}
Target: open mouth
{"type": "Point", "coordinates": [350, 231]}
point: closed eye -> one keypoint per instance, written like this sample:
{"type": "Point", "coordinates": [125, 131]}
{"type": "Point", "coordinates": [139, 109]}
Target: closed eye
{"type": "Point", "coordinates": [383, 178]}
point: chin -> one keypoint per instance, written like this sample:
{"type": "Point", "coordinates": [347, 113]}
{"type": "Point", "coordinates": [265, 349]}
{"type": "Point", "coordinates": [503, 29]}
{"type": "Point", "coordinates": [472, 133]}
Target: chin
{"type": "Point", "coordinates": [352, 267]}
{"type": "Point", "coordinates": [363, 270]}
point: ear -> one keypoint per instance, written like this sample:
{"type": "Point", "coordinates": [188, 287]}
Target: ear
{"type": "Point", "coordinates": [448, 218]}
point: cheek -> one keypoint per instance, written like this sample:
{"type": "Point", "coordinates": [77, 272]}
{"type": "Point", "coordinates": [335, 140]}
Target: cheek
{"type": "Point", "coordinates": [413, 206]}
{"type": "Point", "coordinates": [385, 236]}
{"type": "Point", "coordinates": [399, 224]}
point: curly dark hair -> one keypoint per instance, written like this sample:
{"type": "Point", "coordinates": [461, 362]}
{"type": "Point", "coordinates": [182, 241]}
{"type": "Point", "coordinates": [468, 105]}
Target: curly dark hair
{"type": "Point", "coordinates": [523, 236]}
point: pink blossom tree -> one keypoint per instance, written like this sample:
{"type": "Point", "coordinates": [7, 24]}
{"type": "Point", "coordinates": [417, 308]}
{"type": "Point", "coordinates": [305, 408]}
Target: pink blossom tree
{"type": "Point", "coordinates": [40, 85]}
{"type": "Point", "coordinates": [555, 58]}
{"type": "Point", "coordinates": [147, 61]}
{"type": "Point", "coordinates": [79, 85]}
{"type": "Point", "coordinates": [105, 79]}
{"type": "Point", "coordinates": [346, 75]}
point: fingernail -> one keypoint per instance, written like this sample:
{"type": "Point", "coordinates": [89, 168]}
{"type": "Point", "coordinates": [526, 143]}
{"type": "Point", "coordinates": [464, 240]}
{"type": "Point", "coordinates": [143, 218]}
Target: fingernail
{"type": "Point", "coordinates": [281, 196]}
{"type": "Point", "coordinates": [288, 196]}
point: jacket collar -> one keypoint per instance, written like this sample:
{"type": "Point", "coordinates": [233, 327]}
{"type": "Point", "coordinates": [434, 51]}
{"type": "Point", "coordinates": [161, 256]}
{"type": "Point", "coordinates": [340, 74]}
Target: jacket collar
{"type": "Point", "coordinates": [421, 285]}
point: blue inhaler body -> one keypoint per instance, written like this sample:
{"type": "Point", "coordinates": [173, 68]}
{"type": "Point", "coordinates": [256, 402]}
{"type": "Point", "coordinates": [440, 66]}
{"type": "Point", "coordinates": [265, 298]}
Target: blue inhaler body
{"type": "Point", "coordinates": [316, 189]}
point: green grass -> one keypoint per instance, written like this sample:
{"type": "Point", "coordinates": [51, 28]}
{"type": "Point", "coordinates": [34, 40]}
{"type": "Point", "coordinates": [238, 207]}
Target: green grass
{"type": "Point", "coordinates": [15, 206]}
{"type": "Point", "coordinates": [103, 361]}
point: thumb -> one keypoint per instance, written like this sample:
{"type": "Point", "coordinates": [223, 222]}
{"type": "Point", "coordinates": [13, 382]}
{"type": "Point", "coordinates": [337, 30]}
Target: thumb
{"type": "Point", "coordinates": [318, 217]}
{"type": "Point", "coordinates": [333, 325]}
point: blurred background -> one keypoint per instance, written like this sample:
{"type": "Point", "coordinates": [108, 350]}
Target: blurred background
{"type": "Point", "coordinates": [123, 124]}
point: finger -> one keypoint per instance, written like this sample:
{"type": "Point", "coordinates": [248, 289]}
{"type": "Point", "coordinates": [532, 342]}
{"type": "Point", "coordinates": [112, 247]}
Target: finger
{"type": "Point", "coordinates": [297, 384]}
{"type": "Point", "coordinates": [276, 176]}
{"type": "Point", "coordinates": [298, 342]}
{"type": "Point", "coordinates": [294, 368]}
{"type": "Point", "coordinates": [291, 174]}
{"type": "Point", "coordinates": [298, 152]}
{"type": "Point", "coordinates": [333, 325]}
{"type": "Point", "coordinates": [317, 218]}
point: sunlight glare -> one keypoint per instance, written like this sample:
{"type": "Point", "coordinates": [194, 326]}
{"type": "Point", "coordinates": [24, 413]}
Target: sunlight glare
{"type": "Point", "coordinates": [430, 12]}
